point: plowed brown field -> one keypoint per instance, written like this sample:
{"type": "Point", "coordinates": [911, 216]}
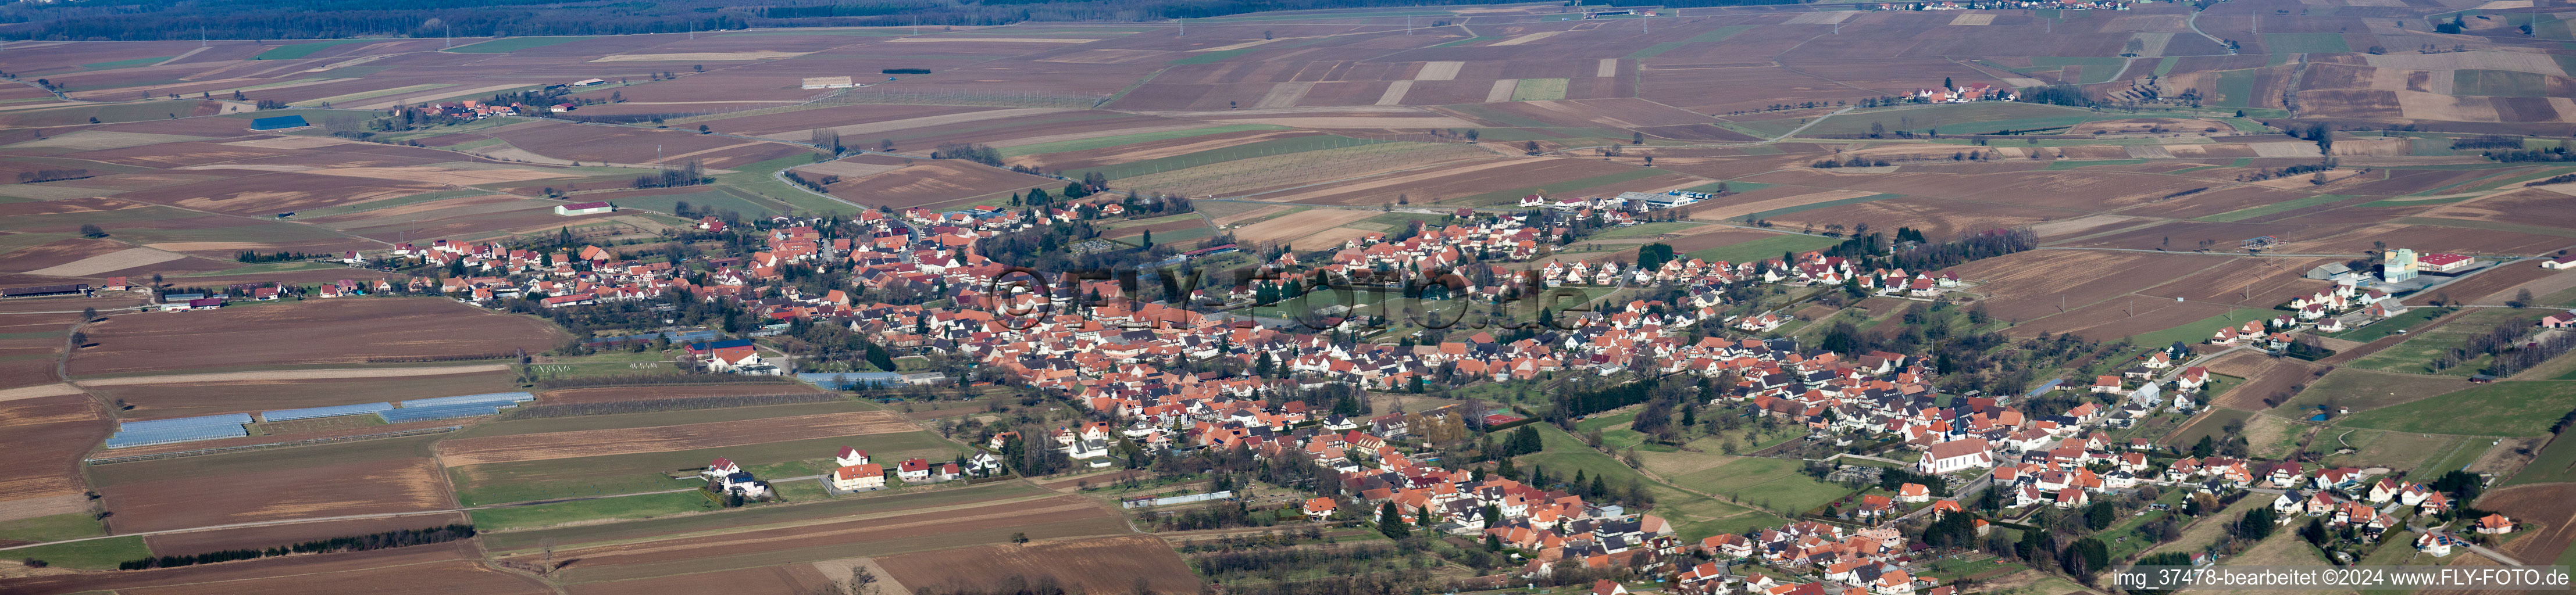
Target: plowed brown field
{"type": "Point", "coordinates": [1105, 565]}
{"type": "Point", "coordinates": [319, 331]}
{"type": "Point", "coordinates": [284, 493]}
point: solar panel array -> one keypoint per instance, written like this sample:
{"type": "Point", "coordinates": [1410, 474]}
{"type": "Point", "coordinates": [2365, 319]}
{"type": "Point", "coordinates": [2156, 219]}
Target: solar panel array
{"type": "Point", "coordinates": [183, 429]}
{"type": "Point", "coordinates": [333, 411]}
{"type": "Point", "coordinates": [497, 399]}
{"type": "Point", "coordinates": [453, 407]}
{"type": "Point", "coordinates": [395, 416]}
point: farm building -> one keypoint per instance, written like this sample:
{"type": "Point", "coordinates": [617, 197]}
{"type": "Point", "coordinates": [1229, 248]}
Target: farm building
{"type": "Point", "coordinates": [2443, 263]}
{"type": "Point", "coordinates": [735, 357]}
{"type": "Point", "coordinates": [47, 290]}
{"type": "Point", "coordinates": [828, 82]}
{"type": "Point", "coordinates": [853, 478]}
{"type": "Point", "coordinates": [278, 123]}
{"type": "Point", "coordinates": [584, 208]}
{"type": "Point", "coordinates": [2560, 263]}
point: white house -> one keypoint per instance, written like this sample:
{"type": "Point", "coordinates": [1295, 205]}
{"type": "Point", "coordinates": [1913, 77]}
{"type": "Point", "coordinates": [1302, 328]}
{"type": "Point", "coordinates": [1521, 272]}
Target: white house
{"type": "Point", "coordinates": [1955, 455]}
{"type": "Point", "coordinates": [865, 476]}
{"type": "Point", "coordinates": [720, 468]}
{"type": "Point", "coordinates": [850, 456]}
{"type": "Point", "coordinates": [742, 482]}
{"type": "Point", "coordinates": [914, 471]}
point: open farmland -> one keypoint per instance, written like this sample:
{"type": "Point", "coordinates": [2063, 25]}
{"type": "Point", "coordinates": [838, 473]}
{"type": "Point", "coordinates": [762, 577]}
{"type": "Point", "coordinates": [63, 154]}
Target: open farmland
{"type": "Point", "coordinates": [2127, 155]}
{"type": "Point", "coordinates": [306, 332]}
{"type": "Point", "coordinates": [1062, 516]}
{"type": "Point", "coordinates": [2030, 285]}
{"type": "Point", "coordinates": [1095, 565]}
{"type": "Point", "coordinates": [49, 435]}
{"type": "Point", "coordinates": [183, 398]}
{"type": "Point", "coordinates": [564, 445]}
{"type": "Point", "coordinates": [197, 500]}
{"type": "Point", "coordinates": [929, 183]}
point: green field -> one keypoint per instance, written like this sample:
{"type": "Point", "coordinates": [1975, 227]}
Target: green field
{"type": "Point", "coordinates": [124, 63]}
{"type": "Point", "coordinates": [2413, 355]}
{"type": "Point", "coordinates": [1243, 151]}
{"type": "Point", "coordinates": [2278, 207]}
{"type": "Point", "coordinates": [1763, 248]}
{"type": "Point", "coordinates": [875, 503]}
{"type": "Point", "coordinates": [1775, 484]}
{"type": "Point", "coordinates": [1510, 196]}
{"type": "Point", "coordinates": [2556, 463]}
{"type": "Point", "coordinates": [2235, 89]}
{"type": "Point", "coordinates": [1127, 139]}
{"type": "Point", "coordinates": [2501, 83]}
{"type": "Point", "coordinates": [2389, 326]}
{"type": "Point", "coordinates": [512, 44]}
{"type": "Point", "coordinates": [52, 528]}
{"type": "Point", "coordinates": [620, 508]}
{"type": "Point", "coordinates": [1539, 90]}
{"type": "Point", "coordinates": [290, 52]}
{"type": "Point", "coordinates": [1694, 516]}
{"type": "Point", "coordinates": [1643, 230]}
{"type": "Point", "coordinates": [2512, 408]}
{"type": "Point", "coordinates": [718, 197]}
{"type": "Point", "coordinates": [2196, 332]}
{"type": "Point", "coordinates": [2305, 43]}
{"type": "Point", "coordinates": [95, 554]}
{"type": "Point", "coordinates": [642, 472]}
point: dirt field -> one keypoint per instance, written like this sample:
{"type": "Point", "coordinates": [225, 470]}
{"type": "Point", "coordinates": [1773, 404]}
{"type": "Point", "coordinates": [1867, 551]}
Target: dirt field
{"type": "Point", "coordinates": [2250, 282]}
{"type": "Point", "coordinates": [48, 435]}
{"type": "Point", "coordinates": [565, 445]}
{"type": "Point", "coordinates": [1112, 564]}
{"type": "Point", "coordinates": [317, 331]}
{"type": "Point", "coordinates": [791, 579]}
{"type": "Point", "coordinates": [2119, 317]}
{"type": "Point", "coordinates": [2028, 285]}
{"type": "Point", "coordinates": [441, 569]}
{"type": "Point", "coordinates": [2267, 377]}
{"type": "Point", "coordinates": [2485, 283]}
{"type": "Point", "coordinates": [173, 544]}
{"type": "Point", "coordinates": [1294, 226]}
{"type": "Point", "coordinates": [319, 491]}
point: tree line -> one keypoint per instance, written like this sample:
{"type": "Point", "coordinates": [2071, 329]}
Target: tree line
{"type": "Point", "coordinates": [358, 543]}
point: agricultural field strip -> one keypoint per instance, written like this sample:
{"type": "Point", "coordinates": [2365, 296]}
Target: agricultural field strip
{"type": "Point", "coordinates": [469, 509]}
{"type": "Point", "coordinates": [562, 445]}
{"type": "Point", "coordinates": [901, 513]}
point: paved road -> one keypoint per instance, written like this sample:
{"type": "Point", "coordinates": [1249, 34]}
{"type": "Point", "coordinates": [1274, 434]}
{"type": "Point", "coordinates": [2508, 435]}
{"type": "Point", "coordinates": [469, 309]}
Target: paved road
{"type": "Point", "coordinates": [2194, 21]}
{"type": "Point", "coordinates": [381, 515]}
